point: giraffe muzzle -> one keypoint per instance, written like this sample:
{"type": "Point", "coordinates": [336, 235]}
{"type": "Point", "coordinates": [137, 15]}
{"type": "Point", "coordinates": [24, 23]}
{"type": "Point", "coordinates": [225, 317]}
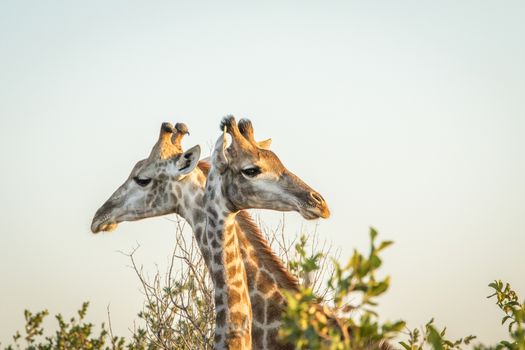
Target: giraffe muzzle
{"type": "Point", "coordinates": [104, 227]}
{"type": "Point", "coordinates": [103, 221]}
{"type": "Point", "coordinates": [318, 201]}
{"type": "Point", "coordinates": [314, 207]}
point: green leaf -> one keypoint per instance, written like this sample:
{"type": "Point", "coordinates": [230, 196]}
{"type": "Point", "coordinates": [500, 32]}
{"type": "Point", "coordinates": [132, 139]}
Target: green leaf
{"type": "Point", "coordinates": [434, 338]}
{"type": "Point", "coordinates": [375, 262]}
{"type": "Point", "coordinates": [505, 319]}
{"type": "Point", "coordinates": [373, 234]}
{"type": "Point", "coordinates": [405, 345]}
{"type": "Point", "coordinates": [384, 244]}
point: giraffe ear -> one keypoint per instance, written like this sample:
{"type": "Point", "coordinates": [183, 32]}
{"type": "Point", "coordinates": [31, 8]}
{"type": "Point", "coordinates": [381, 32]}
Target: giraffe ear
{"type": "Point", "coordinates": [264, 144]}
{"type": "Point", "coordinates": [219, 157]}
{"type": "Point", "coordinates": [188, 160]}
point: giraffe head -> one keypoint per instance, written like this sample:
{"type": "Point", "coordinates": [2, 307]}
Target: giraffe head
{"type": "Point", "coordinates": [145, 193]}
{"type": "Point", "coordinates": [254, 177]}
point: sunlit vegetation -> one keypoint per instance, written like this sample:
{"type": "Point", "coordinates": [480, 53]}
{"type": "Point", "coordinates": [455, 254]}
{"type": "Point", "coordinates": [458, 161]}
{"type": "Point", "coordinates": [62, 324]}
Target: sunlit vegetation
{"type": "Point", "coordinates": [178, 308]}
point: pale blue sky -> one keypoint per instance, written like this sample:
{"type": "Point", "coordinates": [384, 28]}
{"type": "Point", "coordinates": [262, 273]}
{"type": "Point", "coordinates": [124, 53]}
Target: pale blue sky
{"type": "Point", "coordinates": [408, 116]}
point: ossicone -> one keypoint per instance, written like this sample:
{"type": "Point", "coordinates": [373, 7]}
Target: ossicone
{"type": "Point", "coordinates": [179, 131]}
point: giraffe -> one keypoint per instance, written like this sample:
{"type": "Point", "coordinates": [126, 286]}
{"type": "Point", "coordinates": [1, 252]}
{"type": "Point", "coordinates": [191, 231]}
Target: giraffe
{"type": "Point", "coordinates": [172, 181]}
{"type": "Point", "coordinates": [245, 176]}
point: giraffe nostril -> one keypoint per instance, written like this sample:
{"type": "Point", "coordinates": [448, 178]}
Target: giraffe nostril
{"type": "Point", "coordinates": [319, 200]}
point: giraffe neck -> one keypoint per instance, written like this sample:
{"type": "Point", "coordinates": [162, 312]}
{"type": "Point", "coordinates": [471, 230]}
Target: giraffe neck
{"type": "Point", "coordinates": [232, 305]}
{"type": "Point", "coordinates": [265, 272]}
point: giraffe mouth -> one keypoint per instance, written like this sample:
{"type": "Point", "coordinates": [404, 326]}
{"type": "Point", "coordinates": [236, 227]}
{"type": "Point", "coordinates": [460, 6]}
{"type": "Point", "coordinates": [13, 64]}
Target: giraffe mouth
{"type": "Point", "coordinates": [103, 224]}
{"type": "Point", "coordinates": [106, 227]}
{"type": "Point", "coordinates": [312, 212]}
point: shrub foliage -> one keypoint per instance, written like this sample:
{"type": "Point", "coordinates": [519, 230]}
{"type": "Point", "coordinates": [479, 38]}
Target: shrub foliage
{"type": "Point", "coordinates": [178, 308]}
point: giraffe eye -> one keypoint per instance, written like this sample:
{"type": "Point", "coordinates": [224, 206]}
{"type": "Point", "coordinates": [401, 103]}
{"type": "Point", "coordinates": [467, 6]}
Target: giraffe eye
{"type": "Point", "coordinates": [251, 172]}
{"type": "Point", "coordinates": [141, 182]}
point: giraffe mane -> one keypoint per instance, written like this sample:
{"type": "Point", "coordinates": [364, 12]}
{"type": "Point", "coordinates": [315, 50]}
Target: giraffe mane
{"type": "Point", "coordinates": [204, 166]}
{"type": "Point", "coordinates": [270, 260]}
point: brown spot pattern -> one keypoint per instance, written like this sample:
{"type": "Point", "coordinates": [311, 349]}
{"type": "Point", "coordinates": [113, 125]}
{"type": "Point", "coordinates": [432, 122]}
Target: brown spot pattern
{"type": "Point", "coordinates": [220, 318]}
{"type": "Point", "coordinates": [258, 308]}
{"type": "Point", "coordinates": [264, 282]}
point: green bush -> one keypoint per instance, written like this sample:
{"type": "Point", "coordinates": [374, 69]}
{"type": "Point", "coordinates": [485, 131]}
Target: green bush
{"type": "Point", "coordinates": [73, 334]}
{"type": "Point", "coordinates": [358, 324]}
